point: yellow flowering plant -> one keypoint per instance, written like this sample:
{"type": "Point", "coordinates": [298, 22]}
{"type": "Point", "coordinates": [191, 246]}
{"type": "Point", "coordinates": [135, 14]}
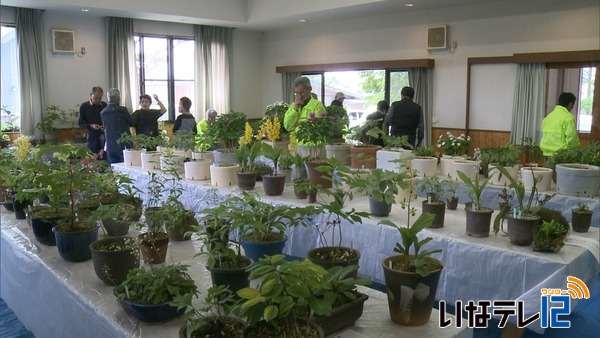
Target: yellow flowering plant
{"type": "Point", "coordinates": [271, 129]}
{"type": "Point", "coordinates": [248, 150]}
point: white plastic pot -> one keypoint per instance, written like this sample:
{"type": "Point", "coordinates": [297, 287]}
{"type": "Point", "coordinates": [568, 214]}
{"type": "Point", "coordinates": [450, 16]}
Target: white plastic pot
{"type": "Point", "coordinates": [197, 170]}
{"type": "Point", "coordinates": [469, 168]}
{"type": "Point", "coordinates": [223, 176]}
{"type": "Point", "coordinates": [171, 163]}
{"type": "Point", "coordinates": [385, 159]}
{"type": "Point", "coordinates": [339, 151]}
{"type": "Point", "coordinates": [502, 180]}
{"type": "Point", "coordinates": [541, 174]}
{"type": "Point", "coordinates": [576, 179]}
{"type": "Point", "coordinates": [132, 158]}
{"type": "Point", "coordinates": [150, 160]}
{"type": "Point", "coordinates": [425, 166]}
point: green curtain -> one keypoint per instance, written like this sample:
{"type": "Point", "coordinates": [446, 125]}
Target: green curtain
{"type": "Point", "coordinates": [529, 102]}
{"type": "Point", "coordinates": [421, 80]}
{"type": "Point", "coordinates": [121, 61]}
{"type": "Point", "coordinates": [32, 65]}
{"type": "Point", "coordinates": [213, 49]}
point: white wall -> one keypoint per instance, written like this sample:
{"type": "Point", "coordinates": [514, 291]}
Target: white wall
{"type": "Point", "coordinates": [395, 37]}
{"type": "Point", "coordinates": [246, 83]}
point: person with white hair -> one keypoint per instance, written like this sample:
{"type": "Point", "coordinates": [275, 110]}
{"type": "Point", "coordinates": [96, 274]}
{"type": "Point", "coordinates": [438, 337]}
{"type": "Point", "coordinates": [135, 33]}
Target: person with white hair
{"type": "Point", "coordinates": [116, 121]}
{"type": "Point", "coordinates": [210, 116]}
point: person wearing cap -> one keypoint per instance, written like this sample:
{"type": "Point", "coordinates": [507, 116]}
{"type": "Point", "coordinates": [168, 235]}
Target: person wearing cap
{"type": "Point", "coordinates": [338, 100]}
{"type": "Point", "coordinates": [116, 121]}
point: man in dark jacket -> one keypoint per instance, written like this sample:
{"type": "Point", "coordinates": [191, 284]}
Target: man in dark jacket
{"type": "Point", "coordinates": [116, 120]}
{"type": "Point", "coordinates": [89, 119]}
{"type": "Point", "coordinates": [406, 118]}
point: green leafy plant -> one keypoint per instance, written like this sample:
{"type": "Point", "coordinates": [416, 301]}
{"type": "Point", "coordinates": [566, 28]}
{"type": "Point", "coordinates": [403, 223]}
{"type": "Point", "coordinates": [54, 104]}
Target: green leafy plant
{"type": "Point", "coordinates": [141, 141]}
{"type": "Point", "coordinates": [506, 156]}
{"type": "Point", "coordinates": [246, 154]}
{"type": "Point", "coordinates": [316, 130]}
{"type": "Point", "coordinates": [549, 236]}
{"type": "Point", "coordinates": [450, 188]}
{"type": "Point", "coordinates": [8, 120]}
{"type": "Point", "coordinates": [156, 286]}
{"type": "Point", "coordinates": [428, 151]}
{"type": "Point", "coordinates": [212, 319]}
{"type": "Point", "coordinates": [52, 114]}
{"type": "Point", "coordinates": [453, 145]}
{"type": "Point", "coordinates": [380, 184]}
{"type": "Point", "coordinates": [397, 142]}
{"type": "Point", "coordinates": [366, 134]}
{"type": "Point", "coordinates": [273, 154]}
{"type": "Point", "coordinates": [475, 188]}
{"type": "Point", "coordinates": [339, 117]}
{"type": "Point", "coordinates": [184, 140]}
{"type": "Point", "coordinates": [205, 142]}
{"type": "Point", "coordinates": [434, 188]}
{"type": "Point", "coordinates": [416, 259]}
{"type": "Point", "coordinates": [228, 128]}
{"type": "Point", "coordinates": [285, 161]}
{"type": "Point", "coordinates": [534, 153]}
{"type": "Point", "coordinates": [284, 295]}
{"type": "Point", "coordinates": [338, 287]}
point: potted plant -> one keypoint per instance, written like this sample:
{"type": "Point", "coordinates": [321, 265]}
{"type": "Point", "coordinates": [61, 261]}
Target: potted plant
{"type": "Point", "coordinates": [396, 148]}
{"type": "Point", "coordinates": [382, 187]}
{"type": "Point", "coordinates": [581, 217]}
{"type": "Point", "coordinates": [227, 129]}
{"type": "Point", "coordinates": [198, 168]}
{"type": "Point", "coordinates": [246, 154]}
{"type": "Point", "coordinates": [225, 261]}
{"type": "Point", "coordinates": [578, 171]}
{"type": "Point", "coordinates": [147, 295]}
{"type": "Point", "coordinates": [179, 221]}
{"type": "Point", "coordinates": [550, 236]}
{"type": "Point", "coordinates": [271, 132]}
{"type": "Point", "coordinates": [424, 161]}
{"type": "Point", "coordinates": [263, 225]}
{"type": "Point", "coordinates": [283, 297]}
{"type": "Point", "coordinates": [214, 318]}
{"type": "Point", "coordinates": [453, 148]}
{"type": "Point", "coordinates": [478, 216]}
{"type": "Point", "coordinates": [522, 222]}
{"type": "Point", "coordinates": [114, 257]}
{"type": "Point", "coordinates": [412, 276]}
{"type": "Point", "coordinates": [311, 136]}
{"type": "Point", "coordinates": [347, 305]}
{"type": "Point", "coordinates": [154, 241]}
{"type": "Point", "coordinates": [533, 153]}
{"type": "Point", "coordinates": [19, 169]}
{"type": "Point", "coordinates": [300, 182]}
{"type": "Point", "coordinates": [363, 155]}
{"type": "Point", "coordinates": [140, 148]}
{"type": "Point", "coordinates": [433, 204]}
{"type": "Point", "coordinates": [52, 114]}
{"type": "Point", "coordinates": [506, 156]}
{"type": "Point", "coordinates": [450, 191]}
{"type": "Point", "coordinates": [273, 183]}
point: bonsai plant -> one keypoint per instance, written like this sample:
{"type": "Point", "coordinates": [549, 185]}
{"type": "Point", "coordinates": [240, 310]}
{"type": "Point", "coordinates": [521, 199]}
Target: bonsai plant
{"type": "Point", "coordinates": [478, 216]}
{"type": "Point", "coordinates": [412, 276]}
{"type": "Point", "coordinates": [581, 217]}
{"type": "Point", "coordinates": [154, 290]}
{"type": "Point", "coordinates": [550, 236]}
{"type": "Point", "coordinates": [214, 318]}
{"type": "Point", "coordinates": [433, 204]}
{"type": "Point", "coordinates": [276, 306]}
{"type": "Point", "coordinates": [263, 225]}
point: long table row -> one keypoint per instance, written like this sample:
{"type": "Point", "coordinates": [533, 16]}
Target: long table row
{"type": "Point", "coordinates": [474, 268]}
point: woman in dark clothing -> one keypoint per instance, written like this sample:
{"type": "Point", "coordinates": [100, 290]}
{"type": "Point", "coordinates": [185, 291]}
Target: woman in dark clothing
{"type": "Point", "coordinates": [185, 121]}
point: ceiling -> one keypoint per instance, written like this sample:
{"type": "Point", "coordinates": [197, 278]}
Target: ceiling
{"type": "Point", "coordinates": [265, 15]}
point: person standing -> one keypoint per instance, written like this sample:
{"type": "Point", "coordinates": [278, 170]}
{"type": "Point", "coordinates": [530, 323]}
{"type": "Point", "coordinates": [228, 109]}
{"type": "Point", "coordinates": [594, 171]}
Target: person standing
{"type": "Point", "coordinates": [559, 130]}
{"type": "Point", "coordinates": [378, 117]}
{"type": "Point", "coordinates": [89, 119]}
{"type": "Point", "coordinates": [406, 118]}
{"type": "Point", "coordinates": [303, 104]}
{"type": "Point", "coordinates": [145, 120]}
{"type": "Point", "coordinates": [116, 120]}
{"type": "Point", "coordinates": [185, 121]}
{"type": "Point", "coordinates": [338, 100]}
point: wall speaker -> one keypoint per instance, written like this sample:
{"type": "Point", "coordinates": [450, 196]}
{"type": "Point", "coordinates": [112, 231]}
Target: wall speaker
{"type": "Point", "coordinates": [63, 41]}
{"type": "Point", "coordinates": [437, 37]}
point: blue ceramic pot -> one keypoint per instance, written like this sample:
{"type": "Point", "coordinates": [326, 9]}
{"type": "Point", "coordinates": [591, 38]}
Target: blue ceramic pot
{"type": "Point", "coordinates": [75, 246]}
{"type": "Point", "coordinates": [158, 313]}
{"type": "Point", "coordinates": [256, 250]}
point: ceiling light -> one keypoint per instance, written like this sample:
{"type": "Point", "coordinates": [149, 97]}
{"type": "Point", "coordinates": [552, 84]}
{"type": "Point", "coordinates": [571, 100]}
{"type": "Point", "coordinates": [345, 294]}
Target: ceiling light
{"type": "Point", "coordinates": [409, 5]}
{"type": "Point", "coordinates": [85, 10]}
{"type": "Point", "coordinates": [302, 20]}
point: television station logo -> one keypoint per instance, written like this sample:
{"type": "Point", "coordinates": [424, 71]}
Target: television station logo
{"type": "Point", "coordinates": [554, 303]}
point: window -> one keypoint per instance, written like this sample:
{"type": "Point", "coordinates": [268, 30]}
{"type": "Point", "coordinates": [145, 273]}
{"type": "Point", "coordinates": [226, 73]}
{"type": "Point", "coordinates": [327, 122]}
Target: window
{"type": "Point", "coordinates": [579, 81]}
{"type": "Point", "coordinates": [9, 83]}
{"type": "Point", "coordinates": [362, 88]}
{"type": "Point", "coordinates": [166, 67]}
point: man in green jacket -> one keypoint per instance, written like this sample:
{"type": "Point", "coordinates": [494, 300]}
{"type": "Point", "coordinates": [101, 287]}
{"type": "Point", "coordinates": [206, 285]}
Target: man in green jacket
{"type": "Point", "coordinates": [559, 130]}
{"type": "Point", "coordinates": [302, 106]}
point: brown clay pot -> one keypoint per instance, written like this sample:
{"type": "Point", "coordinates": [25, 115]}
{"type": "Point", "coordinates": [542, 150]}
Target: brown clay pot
{"type": "Point", "coordinates": [581, 220]}
{"type": "Point", "coordinates": [316, 177]}
{"type": "Point", "coordinates": [478, 222]}
{"type": "Point", "coordinates": [314, 256]}
{"type": "Point", "coordinates": [246, 181]}
{"type": "Point", "coordinates": [154, 247]}
{"type": "Point", "coordinates": [178, 235]}
{"type": "Point", "coordinates": [368, 159]}
{"type": "Point", "coordinates": [438, 209]}
{"type": "Point", "coordinates": [520, 230]}
{"type": "Point", "coordinates": [273, 184]}
{"type": "Point", "coordinates": [452, 203]}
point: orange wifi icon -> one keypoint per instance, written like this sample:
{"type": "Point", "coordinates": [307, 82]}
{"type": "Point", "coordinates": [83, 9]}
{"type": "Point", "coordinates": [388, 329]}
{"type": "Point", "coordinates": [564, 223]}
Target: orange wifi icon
{"type": "Point", "coordinates": [577, 288]}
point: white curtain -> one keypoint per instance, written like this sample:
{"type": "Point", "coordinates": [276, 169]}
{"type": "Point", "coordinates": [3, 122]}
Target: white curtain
{"type": "Point", "coordinates": [421, 80]}
{"type": "Point", "coordinates": [121, 61]}
{"type": "Point", "coordinates": [287, 86]}
{"type": "Point", "coordinates": [529, 102]}
{"type": "Point", "coordinates": [32, 65]}
{"type": "Point", "coordinates": [213, 48]}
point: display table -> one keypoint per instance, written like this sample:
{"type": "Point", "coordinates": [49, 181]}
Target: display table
{"type": "Point", "coordinates": [55, 298]}
{"type": "Point", "coordinates": [474, 268]}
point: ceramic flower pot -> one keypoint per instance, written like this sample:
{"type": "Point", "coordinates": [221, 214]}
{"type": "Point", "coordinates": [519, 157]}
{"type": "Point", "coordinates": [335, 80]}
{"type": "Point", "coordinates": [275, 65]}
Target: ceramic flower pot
{"type": "Point", "coordinates": [224, 156]}
{"type": "Point", "coordinates": [113, 258]}
{"type": "Point", "coordinates": [364, 157]}
{"type": "Point", "coordinates": [520, 230]}
{"type": "Point", "coordinates": [478, 222]}
{"type": "Point", "coordinates": [273, 184]}
{"type": "Point", "coordinates": [339, 151]}
{"type": "Point", "coordinates": [438, 209]}
{"type": "Point", "coordinates": [316, 177]}
{"type": "Point", "coordinates": [75, 246]}
{"type": "Point", "coordinates": [132, 158]}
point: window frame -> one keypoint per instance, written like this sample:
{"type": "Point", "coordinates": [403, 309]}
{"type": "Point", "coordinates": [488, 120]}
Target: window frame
{"type": "Point", "coordinates": [171, 100]}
